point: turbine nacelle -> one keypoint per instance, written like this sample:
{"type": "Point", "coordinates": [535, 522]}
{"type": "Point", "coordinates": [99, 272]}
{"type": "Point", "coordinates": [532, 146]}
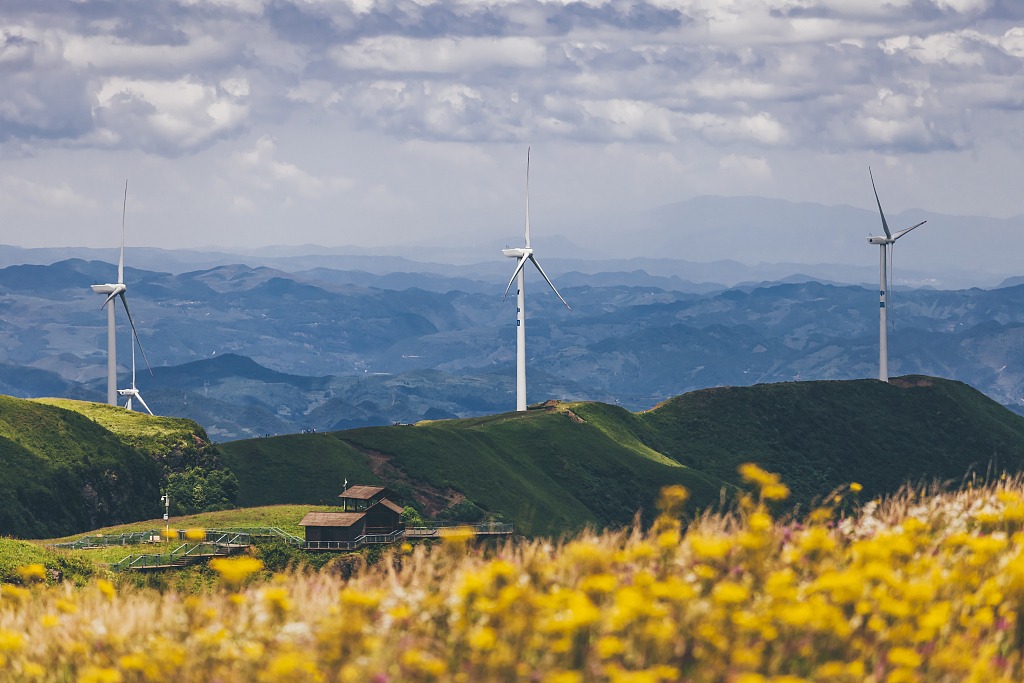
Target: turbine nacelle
{"type": "Point", "coordinates": [879, 239]}
{"type": "Point", "coordinates": [518, 252]}
{"type": "Point", "coordinates": [105, 289]}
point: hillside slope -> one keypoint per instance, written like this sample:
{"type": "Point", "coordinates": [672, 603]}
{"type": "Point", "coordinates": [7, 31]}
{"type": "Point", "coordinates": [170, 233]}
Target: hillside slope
{"type": "Point", "coordinates": [546, 470]}
{"type": "Point", "coordinates": [60, 472]}
{"type": "Point", "coordinates": [820, 435]}
{"type": "Point", "coordinates": [568, 465]}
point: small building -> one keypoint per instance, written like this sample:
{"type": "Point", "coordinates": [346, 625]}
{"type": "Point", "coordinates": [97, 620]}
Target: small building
{"type": "Point", "coordinates": [365, 512]}
{"type": "Point", "coordinates": [359, 498]}
{"type": "Point", "coordinates": [333, 527]}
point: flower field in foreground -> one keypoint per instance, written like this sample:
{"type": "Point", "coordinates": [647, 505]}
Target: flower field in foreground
{"type": "Point", "coordinates": [920, 587]}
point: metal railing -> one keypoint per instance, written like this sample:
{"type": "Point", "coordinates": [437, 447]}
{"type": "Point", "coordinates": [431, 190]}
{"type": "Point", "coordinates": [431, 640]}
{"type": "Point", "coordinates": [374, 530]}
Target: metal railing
{"type": "Point", "coordinates": [244, 535]}
{"type": "Point", "coordinates": [101, 541]}
{"type": "Point", "coordinates": [358, 542]}
{"type": "Point", "coordinates": [220, 542]}
{"type": "Point", "coordinates": [434, 530]}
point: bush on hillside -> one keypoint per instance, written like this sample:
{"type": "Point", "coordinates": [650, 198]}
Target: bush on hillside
{"type": "Point", "coordinates": [197, 490]}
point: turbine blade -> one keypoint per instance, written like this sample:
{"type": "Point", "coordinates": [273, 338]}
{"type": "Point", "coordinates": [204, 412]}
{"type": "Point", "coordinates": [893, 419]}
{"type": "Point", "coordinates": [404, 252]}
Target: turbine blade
{"type": "Point", "coordinates": [144, 404]}
{"type": "Point", "coordinates": [136, 332]}
{"type": "Point", "coordinates": [550, 283]}
{"type": "Point", "coordinates": [120, 263]}
{"type": "Point", "coordinates": [522, 262]}
{"type": "Point", "coordinates": [527, 197]}
{"type": "Point", "coordinates": [885, 226]}
{"type": "Point", "coordinates": [128, 403]}
{"type": "Point", "coordinates": [107, 301]}
{"type": "Point", "coordinates": [901, 233]}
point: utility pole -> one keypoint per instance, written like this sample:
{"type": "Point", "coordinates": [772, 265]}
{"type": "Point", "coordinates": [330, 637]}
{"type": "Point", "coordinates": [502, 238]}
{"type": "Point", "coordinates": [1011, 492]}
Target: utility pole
{"type": "Point", "coordinates": [166, 500]}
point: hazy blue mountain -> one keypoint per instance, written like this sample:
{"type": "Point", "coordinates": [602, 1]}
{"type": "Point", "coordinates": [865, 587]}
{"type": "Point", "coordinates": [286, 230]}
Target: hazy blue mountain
{"type": "Point", "coordinates": [254, 350]}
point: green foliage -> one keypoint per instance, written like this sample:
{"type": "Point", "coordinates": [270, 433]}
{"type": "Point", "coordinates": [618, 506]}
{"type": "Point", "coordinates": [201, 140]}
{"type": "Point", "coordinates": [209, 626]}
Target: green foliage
{"type": "Point", "coordinates": [198, 490]}
{"type": "Point", "coordinates": [464, 511]}
{"type": "Point", "coordinates": [60, 566]}
{"type": "Point", "coordinates": [411, 516]}
{"type": "Point", "coordinates": [279, 556]}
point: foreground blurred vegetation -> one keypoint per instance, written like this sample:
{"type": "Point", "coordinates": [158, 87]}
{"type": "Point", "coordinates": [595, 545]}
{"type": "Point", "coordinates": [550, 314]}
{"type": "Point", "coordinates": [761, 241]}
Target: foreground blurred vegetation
{"type": "Point", "coordinates": [922, 586]}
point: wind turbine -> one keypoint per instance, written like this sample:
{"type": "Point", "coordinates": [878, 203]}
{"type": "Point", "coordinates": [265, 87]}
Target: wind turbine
{"type": "Point", "coordinates": [117, 289]}
{"type": "Point", "coordinates": [885, 257]}
{"type": "Point", "coordinates": [522, 255]}
{"type": "Point", "coordinates": [133, 393]}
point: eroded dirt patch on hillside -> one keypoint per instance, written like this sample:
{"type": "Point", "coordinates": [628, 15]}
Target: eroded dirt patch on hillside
{"type": "Point", "coordinates": [430, 499]}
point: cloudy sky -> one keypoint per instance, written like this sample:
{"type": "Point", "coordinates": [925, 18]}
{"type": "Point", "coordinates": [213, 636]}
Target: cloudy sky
{"type": "Point", "coordinates": [244, 123]}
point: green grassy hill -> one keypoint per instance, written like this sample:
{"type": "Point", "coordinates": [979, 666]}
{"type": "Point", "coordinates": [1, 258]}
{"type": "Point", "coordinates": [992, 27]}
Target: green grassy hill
{"type": "Point", "coordinates": [562, 467]}
{"type": "Point", "coordinates": [70, 466]}
{"type": "Point", "coordinates": [820, 435]}
{"type": "Point", "coordinates": [552, 469]}
{"type": "Point", "coordinates": [61, 472]}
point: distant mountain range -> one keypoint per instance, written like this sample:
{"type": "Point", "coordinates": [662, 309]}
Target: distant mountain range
{"type": "Point", "coordinates": [723, 240]}
{"type": "Point", "coordinates": [254, 350]}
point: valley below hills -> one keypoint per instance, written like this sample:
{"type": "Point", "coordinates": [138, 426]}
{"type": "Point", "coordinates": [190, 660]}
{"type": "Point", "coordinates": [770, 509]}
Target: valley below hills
{"type": "Point", "coordinates": [556, 468]}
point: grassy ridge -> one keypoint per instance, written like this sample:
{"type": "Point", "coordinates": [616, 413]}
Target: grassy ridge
{"type": "Point", "coordinates": [61, 472]}
{"type": "Point", "coordinates": [543, 470]}
{"type": "Point", "coordinates": [157, 436]}
{"type": "Point", "coordinates": [820, 435]}
{"type": "Point", "coordinates": [576, 464]}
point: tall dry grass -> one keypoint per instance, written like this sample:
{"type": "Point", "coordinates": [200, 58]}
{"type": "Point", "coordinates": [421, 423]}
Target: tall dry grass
{"type": "Point", "coordinates": [925, 586]}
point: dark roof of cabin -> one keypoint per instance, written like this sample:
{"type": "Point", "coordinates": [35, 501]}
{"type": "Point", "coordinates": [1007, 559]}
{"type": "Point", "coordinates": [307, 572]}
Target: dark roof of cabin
{"type": "Point", "coordinates": [394, 507]}
{"type": "Point", "coordinates": [361, 492]}
{"type": "Point", "coordinates": [331, 518]}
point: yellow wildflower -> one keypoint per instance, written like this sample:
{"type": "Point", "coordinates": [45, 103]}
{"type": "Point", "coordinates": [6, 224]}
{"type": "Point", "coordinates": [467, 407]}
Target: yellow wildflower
{"type": "Point", "coordinates": [31, 573]}
{"type": "Point", "coordinates": [291, 666]}
{"type": "Point", "coordinates": [672, 499]}
{"type": "Point", "coordinates": [97, 674]}
{"type": "Point", "coordinates": [730, 593]}
{"type": "Point", "coordinates": [233, 571]}
{"type": "Point", "coordinates": [11, 641]}
{"type": "Point", "coordinates": [106, 588]}
{"type": "Point", "coordinates": [15, 593]}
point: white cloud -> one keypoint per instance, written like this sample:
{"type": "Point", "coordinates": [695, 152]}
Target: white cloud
{"type": "Point", "coordinates": [689, 95]}
{"type": "Point", "coordinates": [265, 171]}
{"type": "Point", "coordinates": [120, 56]}
{"type": "Point", "coordinates": [761, 128]}
{"type": "Point", "coordinates": [169, 116]}
{"type": "Point", "coordinates": [442, 55]}
{"type": "Point", "coordinates": [959, 49]}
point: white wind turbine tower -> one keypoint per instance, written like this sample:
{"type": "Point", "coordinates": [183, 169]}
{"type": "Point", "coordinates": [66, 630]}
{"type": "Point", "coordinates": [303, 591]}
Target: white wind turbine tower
{"type": "Point", "coordinates": [133, 393]}
{"type": "Point", "coordinates": [886, 244]}
{"type": "Point", "coordinates": [112, 290]}
{"type": "Point", "coordinates": [522, 255]}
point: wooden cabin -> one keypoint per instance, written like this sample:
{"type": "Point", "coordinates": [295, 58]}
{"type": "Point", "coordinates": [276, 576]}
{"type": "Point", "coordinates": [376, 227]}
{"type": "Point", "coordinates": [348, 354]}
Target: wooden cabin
{"type": "Point", "coordinates": [365, 510]}
{"type": "Point", "coordinates": [359, 498]}
{"type": "Point", "coordinates": [384, 517]}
